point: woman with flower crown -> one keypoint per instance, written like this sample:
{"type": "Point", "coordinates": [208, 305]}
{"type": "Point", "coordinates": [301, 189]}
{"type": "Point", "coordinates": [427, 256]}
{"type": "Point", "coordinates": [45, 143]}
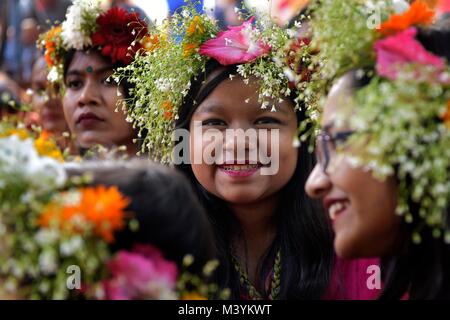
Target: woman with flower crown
{"type": "Point", "coordinates": [384, 161]}
{"type": "Point", "coordinates": [272, 242]}
{"type": "Point", "coordinates": [82, 53]}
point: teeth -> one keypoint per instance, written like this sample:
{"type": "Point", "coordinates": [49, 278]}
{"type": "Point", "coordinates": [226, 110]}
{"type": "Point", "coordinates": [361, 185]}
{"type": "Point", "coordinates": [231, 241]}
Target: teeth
{"type": "Point", "coordinates": [240, 167]}
{"type": "Point", "coordinates": [335, 208]}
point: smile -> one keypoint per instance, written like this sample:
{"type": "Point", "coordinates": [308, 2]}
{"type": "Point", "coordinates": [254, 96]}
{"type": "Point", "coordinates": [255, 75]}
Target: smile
{"type": "Point", "coordinates": [337, 208]}
{"type": "Point", "coordinates": [240, 170]}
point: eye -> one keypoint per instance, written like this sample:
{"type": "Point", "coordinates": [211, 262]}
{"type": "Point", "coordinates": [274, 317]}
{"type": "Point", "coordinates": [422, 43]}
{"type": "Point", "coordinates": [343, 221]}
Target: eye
{"type": "Point", "coordinates": [213, 122]}
{"type": "Point", "coordinates": [74, 84]}
{"type": "Point", "coordinates": [267, 120]}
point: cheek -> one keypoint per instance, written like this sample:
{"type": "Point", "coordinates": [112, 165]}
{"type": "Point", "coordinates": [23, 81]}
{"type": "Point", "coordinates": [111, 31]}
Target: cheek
{"type": "Point", "coordinates": [202, 171]}
{"type": "Point", "coordinates": [370, 226]}
{"type": "Point", "coordinates": [68, 106]}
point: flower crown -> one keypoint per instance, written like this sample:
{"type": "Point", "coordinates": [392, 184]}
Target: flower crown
{"type": "Point", "coordinates": [113, 33]}
{"type": "Point", "coordinates": [176, 52]}
{"type": "Point", "coordinates": [52, 225]}
{"type": "Point", "coordinates": [402, 118]}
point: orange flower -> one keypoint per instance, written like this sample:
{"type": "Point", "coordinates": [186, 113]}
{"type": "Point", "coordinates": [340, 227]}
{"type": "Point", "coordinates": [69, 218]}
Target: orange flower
{"type": "Point", "coordinates": [192, 296]}
{"type": "Point", "coordinates": [189, 49]}
{"type": "Point", "coordinates": [150, 42]}
{"type": "Point", "coordinates": [446, 116]}
{"type": "Point", "coordinates": [196, 26]}
{"type": "Point", "coordinates": [50, 45]}
{"type": "Point", "coordinates": [100, 208]}
{"type": "Point", "coordinates": [168, 110]}
{"type": "Point", "coordinates": [418, 14]}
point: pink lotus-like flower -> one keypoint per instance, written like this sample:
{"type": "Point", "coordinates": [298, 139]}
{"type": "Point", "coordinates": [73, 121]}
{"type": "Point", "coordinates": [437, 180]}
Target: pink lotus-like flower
{"type": "Point", "coordinates": [140, 274]}
{"type": "Point", "coordinates": [235, 46]}
{"type": "Point", "coordinates": [443, 6]}
{"type": "Point", "coordinates": [400, 49]}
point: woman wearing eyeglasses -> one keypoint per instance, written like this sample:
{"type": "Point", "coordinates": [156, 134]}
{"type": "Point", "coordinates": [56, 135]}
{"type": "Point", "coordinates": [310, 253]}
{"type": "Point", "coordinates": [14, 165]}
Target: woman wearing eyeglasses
{"type": "Point", "coordinates": [383, 167]}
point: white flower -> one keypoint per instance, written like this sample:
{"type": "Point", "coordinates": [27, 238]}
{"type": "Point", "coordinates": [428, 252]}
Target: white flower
{"type": "Point", "coordinates": [68, 248]}
{"type": "Point", "coordinates": [47, 262]}
{"type": "Point", "coordinates": [80, 15]}
{"type": "Point", "coordinates": [19, 157]}
{"type": "Point", "coordinates": [400, 6]}
{"type": "Point", "coordinates": [53, 74]}
{"type": "Point", "coordinates": [46, 237]}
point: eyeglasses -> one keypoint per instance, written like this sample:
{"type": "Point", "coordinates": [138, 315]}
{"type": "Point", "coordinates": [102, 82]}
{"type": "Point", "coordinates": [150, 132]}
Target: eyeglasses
{"type": "Point", "coordinates": [326, 146]}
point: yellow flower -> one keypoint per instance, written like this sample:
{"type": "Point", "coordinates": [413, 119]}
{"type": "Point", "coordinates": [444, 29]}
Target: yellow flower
{"type": "Point", "coordinates": [196, 26]}
{"type": "Point", "coordinates": [20, 133]}
{"type": "Point", "coordinates": [46, 147]}
{"type": "Point", "coordinates": [192, 296]}
{"type": "Point", "coordinates": [189, 49]}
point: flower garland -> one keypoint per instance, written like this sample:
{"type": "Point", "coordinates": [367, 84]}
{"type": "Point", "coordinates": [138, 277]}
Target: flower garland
{"type": "Point", "coordinates": [402, 115]}
{"type": "Point", "coordinates": [175, 53]}
{"type": "Point", "coordinates": [115, 33]}
{"type": "Point", "coordinates": [50, 223]}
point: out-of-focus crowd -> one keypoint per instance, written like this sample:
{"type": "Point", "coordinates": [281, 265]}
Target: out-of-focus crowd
{"type": "Point", "coordinates": [22, 68]}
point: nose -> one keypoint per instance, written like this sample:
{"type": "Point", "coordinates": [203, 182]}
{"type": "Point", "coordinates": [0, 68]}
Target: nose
{"type": "Point", "coordinates": [318, 183]}
{"type": "Point", "coordinates": [241, 143]}
{"type": "Point", "coordinates": [90, 94]}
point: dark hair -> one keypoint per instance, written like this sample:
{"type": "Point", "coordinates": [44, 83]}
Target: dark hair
{"type": "Point", "coordinates": [420, 270]}
{"type": "Point", "coordinates": [162, 201]}
{"type": "Point", "coordinates": [304, 237]}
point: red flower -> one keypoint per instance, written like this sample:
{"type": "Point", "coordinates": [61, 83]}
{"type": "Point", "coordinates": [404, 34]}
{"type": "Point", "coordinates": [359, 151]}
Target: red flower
{"type": "Point", "coordinates": [118, 34]}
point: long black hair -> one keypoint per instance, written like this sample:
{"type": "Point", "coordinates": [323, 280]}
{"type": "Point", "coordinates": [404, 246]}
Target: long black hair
{"type": "Point", "coordinates": [422, 271]}
{"type": "Point", "coordinates": [304, 237]}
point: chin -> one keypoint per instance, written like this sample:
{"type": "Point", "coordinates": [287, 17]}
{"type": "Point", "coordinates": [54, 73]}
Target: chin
{"type": "Point", "coordinates": [239, 197]}
{"type": "Point", "coordinates": [347, 249]}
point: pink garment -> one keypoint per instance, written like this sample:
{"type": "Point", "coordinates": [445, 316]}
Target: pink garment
{"type": "Point", "coordinates": [349, 280]}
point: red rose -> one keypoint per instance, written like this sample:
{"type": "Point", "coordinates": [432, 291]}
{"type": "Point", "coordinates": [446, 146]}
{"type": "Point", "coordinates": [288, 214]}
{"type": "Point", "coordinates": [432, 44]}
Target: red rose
{"type": "Point", "coordinates": [117, 30]}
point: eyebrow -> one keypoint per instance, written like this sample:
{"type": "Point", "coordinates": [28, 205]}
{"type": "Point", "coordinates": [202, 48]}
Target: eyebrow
{"type": "Point", "coordinates": [78, 72]}
{"type": "Point", "coordinates": [213, 107]}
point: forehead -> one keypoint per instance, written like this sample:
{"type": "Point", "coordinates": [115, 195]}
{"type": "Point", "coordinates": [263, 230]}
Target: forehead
{"type": "Point", "coordinates": [339, 102]}
{"type": "Point", "coordinates": [83, 60]}
{"type": "Point", "coordinates": [39, 71]}
{"type": "Point", "coordinates": [237, 95]}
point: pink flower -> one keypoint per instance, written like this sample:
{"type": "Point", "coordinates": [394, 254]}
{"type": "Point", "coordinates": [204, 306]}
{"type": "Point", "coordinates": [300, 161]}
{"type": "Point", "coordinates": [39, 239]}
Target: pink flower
{"type": "Point", "coordinates": [142, 273]}
{"type": "Point", "coordinates": [443, 6]}
{"type": "Point", "coordinates": [235, 46]}
{"type": "Point", "coordinates": [400, 49]}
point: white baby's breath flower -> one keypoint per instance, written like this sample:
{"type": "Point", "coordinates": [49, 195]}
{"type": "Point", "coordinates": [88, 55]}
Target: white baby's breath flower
{"type": "Point", "coordinates": [47, 262]}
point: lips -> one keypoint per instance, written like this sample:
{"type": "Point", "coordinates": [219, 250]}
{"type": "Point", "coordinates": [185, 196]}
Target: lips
{"type": "Point", "coordinates": [88, 118]}
{"type": "Point", "coordinates": [239, 170]}
{"type": "Point", "coordinates": [335, 207]}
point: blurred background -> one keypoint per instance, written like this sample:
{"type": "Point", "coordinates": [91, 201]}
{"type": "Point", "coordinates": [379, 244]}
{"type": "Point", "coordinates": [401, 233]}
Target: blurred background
{"type": "Point", "coordinates": [22, 21]}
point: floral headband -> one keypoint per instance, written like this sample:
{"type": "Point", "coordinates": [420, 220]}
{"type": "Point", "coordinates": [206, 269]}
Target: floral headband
{"type": "Point", "coordinates": [115, 33]}
{"type": "Point", "coordinates": [176, 52]}
{"type": "Point", "coordinates": [402, 118]}
{"type": "Point", "coordinates": [54, 227]}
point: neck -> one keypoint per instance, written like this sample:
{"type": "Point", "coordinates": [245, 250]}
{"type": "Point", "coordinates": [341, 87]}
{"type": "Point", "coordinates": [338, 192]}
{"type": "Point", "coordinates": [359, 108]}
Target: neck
{"type": "Point", "coordinates": [258, 225]}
